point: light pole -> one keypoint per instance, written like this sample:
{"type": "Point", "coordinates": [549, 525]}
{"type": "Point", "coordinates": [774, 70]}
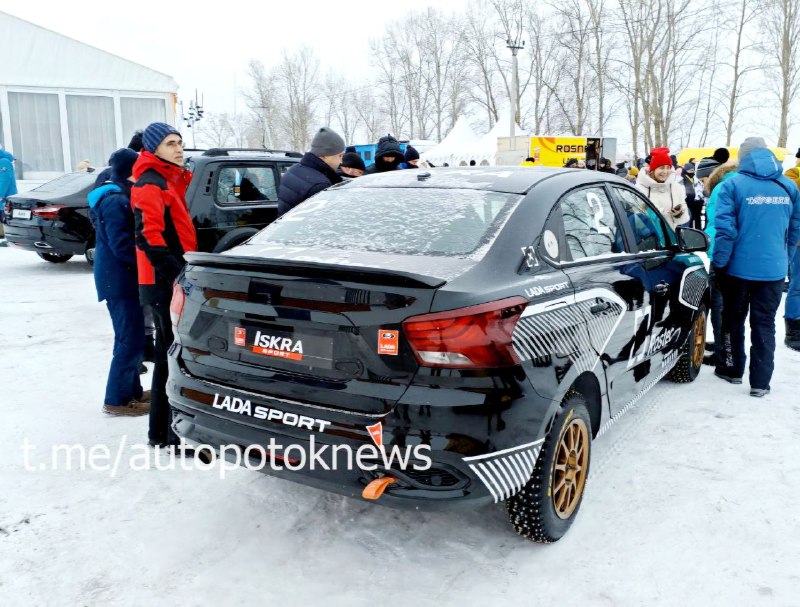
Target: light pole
{"type": "Point", "coordinates": [194, 115]}
{"type": "Point", "coordinates": [514, 45]}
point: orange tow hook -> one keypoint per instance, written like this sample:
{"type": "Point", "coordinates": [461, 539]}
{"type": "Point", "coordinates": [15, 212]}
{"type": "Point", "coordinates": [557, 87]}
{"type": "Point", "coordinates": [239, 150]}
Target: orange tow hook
{"type": "Point", "coordinates": [376, 487]}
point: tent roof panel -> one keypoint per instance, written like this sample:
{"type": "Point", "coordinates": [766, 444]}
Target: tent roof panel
{"type": "Point", "coordinates": [37, 57]}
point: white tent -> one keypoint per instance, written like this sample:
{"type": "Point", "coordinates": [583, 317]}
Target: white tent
{"type": "Point", "coordinates": [63, 101]}
{"type": "Point", "coordinates": [484, 151]}
{"type": "Point", "coordinates": [454, 148]}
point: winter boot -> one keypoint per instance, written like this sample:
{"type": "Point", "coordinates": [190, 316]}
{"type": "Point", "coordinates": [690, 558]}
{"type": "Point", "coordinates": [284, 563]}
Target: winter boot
{"type": "Point", "coordinates": [132, 409]}
{"type": "Point", "coordinates": [792, 338]}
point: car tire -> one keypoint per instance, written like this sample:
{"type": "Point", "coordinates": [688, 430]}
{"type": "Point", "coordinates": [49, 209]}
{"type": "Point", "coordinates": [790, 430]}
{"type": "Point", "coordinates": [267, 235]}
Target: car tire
{"type": "Point", "coordinates": [690, 359]}
{"type": "Point", "coordinates": [544, 509]}
{"type": "Point", "coordinates": [90, 256]}
{"type": "Point", "coordinates": [54, 257]}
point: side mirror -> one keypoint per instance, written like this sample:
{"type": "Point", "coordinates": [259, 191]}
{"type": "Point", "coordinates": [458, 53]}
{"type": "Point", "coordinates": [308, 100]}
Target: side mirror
{"type": "Point", "coordinates": [690, 240]}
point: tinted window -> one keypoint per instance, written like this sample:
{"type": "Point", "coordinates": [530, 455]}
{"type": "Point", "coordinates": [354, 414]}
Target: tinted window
{"type": "Point", "coordinates": [69, 184]}
{"type": "Point", "coordinates": [410, 221]}
{"type": "Point", "coordinates": [246, 184]}
{"type": "Point", "coordinates": [645, 223]}
{"type": "Point", "coordinates": [590, 228]}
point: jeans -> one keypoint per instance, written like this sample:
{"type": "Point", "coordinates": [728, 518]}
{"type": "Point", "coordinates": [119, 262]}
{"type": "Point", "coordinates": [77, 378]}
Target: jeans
{"type": "Point", "coordinates": [160, 413]}
{"type": "Point", "coordinates": [792, 309]}
{"type": "Point", "coordinates": [761, 299]}
{"type": "Point", "coordinates": [123, 377]}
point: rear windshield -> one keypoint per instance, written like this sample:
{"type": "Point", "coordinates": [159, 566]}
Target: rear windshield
{"type": "Point", "coordinates": [410, 221]}
{"type": "Point", "coordinates": [68, 184]}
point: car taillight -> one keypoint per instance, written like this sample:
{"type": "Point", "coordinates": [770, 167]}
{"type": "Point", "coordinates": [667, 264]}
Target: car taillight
{"type": "Point", "coordinates": [475, 337]}
{"type": "Point", "coordinates": [176, 305]}
{"type": "Point", "coordinates": [49, 212]}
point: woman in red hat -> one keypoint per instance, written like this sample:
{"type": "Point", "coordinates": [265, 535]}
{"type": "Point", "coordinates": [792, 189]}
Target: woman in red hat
{"type": "Point", "coordinates": [668, 195]}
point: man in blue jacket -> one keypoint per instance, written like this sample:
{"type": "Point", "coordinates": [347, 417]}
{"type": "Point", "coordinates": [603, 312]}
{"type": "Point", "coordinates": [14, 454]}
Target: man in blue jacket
{"type": "Point", "coordinates": [757, 218]}
{"type": "Point", "coordinates": [8, 183]}
{"type": "Point", "coordinates": [117, 283]}
{"type": "Point", "coordinates": [315, 171]}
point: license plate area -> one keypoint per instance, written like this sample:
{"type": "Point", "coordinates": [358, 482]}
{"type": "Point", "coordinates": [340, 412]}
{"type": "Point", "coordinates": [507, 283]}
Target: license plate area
{"type": "Point", "coordinates": [281, 345]}
{"type": "Point", "coordinates": [20, 214]}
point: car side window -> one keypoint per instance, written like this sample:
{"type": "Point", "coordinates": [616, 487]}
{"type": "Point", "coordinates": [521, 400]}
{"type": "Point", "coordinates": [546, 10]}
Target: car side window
{"type": "Point", "coordinates": [645, 222]}
{"type": "Point", "coordinates": [238, 184]}
{"type": "Point", "coordinates": [590, 227]}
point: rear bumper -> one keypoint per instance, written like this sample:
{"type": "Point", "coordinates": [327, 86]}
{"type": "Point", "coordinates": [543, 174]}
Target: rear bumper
{"type": "Point", "coordinates": [452, 481]}
{"type": "Point", "coordinates": [44, 238]}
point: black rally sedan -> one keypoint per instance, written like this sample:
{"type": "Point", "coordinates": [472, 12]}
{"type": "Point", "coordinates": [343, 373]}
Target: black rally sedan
{"type": "Point", "coordinates": [484, 324]}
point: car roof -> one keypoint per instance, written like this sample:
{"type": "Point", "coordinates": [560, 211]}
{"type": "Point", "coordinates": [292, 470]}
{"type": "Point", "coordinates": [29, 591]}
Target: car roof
{"type": "Point", "coordinates": [511, 179]}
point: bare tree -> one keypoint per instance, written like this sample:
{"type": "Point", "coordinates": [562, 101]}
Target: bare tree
{"type": "Point", "coordinates": [215, 130]}
{"type": "Point", "coordinates": [481, 68]}
{"type": "Point", "coordinates": [745, 14]}
{"type": "Point", "coordinates": [782, 17]}
{"type": "Point", "coordinates": [263, 101]}
{"type": "Point", "coordinates": [389, 83]}
{"type": "Point", "coordinates": [365, 106]}
{"type": "Point", "coordinates": [339, 102]}
{"type": "Point", "coordinates": [441, 50]}
{"type": "Point", "coordinates": [299, 81]}
{"type": "Point", "coordinates": [574, 97]}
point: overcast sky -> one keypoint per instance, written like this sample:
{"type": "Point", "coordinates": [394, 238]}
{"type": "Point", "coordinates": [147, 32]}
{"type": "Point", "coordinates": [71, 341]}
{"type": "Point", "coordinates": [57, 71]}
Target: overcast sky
{"type": "Point", "coordinates": [208, 48]}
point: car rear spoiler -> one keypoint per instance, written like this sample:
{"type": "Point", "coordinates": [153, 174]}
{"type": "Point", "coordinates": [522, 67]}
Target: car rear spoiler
{"type": "Point", "coordinates": [310, 269]}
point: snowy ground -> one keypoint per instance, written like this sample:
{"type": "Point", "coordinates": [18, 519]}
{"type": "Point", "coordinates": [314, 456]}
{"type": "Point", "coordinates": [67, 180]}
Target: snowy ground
{"type": "Point", "coordinates": [694, 499]}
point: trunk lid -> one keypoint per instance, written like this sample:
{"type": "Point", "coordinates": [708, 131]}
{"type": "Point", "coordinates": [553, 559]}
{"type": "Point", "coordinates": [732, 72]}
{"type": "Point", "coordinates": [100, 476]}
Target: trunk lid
{"type": "Point", "coordinates": [326, 335]}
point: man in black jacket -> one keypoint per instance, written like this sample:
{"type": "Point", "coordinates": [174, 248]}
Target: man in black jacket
{"type": "Point", "coordinates": [388, 156]}
{"type": "Point", "coordinates": [315, 171]}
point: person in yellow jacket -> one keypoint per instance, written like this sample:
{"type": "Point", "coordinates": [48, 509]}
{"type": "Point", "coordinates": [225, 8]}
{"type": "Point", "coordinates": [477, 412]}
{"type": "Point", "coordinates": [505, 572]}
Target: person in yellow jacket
{"type": "Point", "coordinates": [794, 172]}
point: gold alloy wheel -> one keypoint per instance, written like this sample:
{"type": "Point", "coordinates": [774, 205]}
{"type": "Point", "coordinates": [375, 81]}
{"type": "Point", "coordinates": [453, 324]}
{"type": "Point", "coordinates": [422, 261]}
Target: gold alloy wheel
{"type": "Point", "coordinates": [699, 338]}
{"type": "Point", "coordinates": [569, 468]}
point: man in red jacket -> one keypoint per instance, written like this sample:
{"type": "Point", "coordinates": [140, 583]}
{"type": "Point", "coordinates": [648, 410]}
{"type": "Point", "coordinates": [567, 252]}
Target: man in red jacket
{"type": "Point", "coordinates": [164, 232]}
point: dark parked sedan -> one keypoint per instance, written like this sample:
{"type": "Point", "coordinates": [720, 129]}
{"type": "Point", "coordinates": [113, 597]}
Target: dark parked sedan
{"type": "Point", "coordinates": [53, 219]}
{"type": "Point", "coordinates": [467, 333]}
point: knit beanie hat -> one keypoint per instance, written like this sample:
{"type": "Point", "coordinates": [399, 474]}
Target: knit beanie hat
{"type": "Point", "coordinates": [659, 157]}
{"type": "Point", "coordinates": [689, 166]}
{"type": "Point", "coordinates": [388, 146]}
{"type": "Point", "coordinates": [326, 143]}
{"type": "Point", "coordinates": [155, 133]}
{"type": "Point", "coordinates": [721, 155]}
{"type": "Point", "coordinates": [750, 144]}
{"type": "Point", "coordinates": [411, 154]}
{"type": "Point", "coordinates": [705, 167]}
{"type": "Point", "coordinates": [122, 162]}
{"type": "Point", "coordinates": [352, 160]}
{"type": "Point", "coordinates": [633, 171]}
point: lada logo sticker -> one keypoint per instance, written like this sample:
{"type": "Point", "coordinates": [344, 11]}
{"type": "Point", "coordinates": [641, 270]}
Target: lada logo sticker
{"type": "Point", "coordinates": [388, 342]}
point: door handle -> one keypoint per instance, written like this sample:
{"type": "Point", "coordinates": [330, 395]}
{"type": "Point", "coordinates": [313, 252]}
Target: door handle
{"type": "Point", "coordinates": [600, 307]}
{"type": "Point", "coordinates": [662, 288]}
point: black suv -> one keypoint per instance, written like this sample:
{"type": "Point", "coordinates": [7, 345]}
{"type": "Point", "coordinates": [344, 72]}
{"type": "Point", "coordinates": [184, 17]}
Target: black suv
{"type": "Point", "coordinates": [233, 194]}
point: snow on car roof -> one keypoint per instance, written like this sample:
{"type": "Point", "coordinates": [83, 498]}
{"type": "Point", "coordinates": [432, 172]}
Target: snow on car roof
{"type": "Point", "coordinates": [516, 180]}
